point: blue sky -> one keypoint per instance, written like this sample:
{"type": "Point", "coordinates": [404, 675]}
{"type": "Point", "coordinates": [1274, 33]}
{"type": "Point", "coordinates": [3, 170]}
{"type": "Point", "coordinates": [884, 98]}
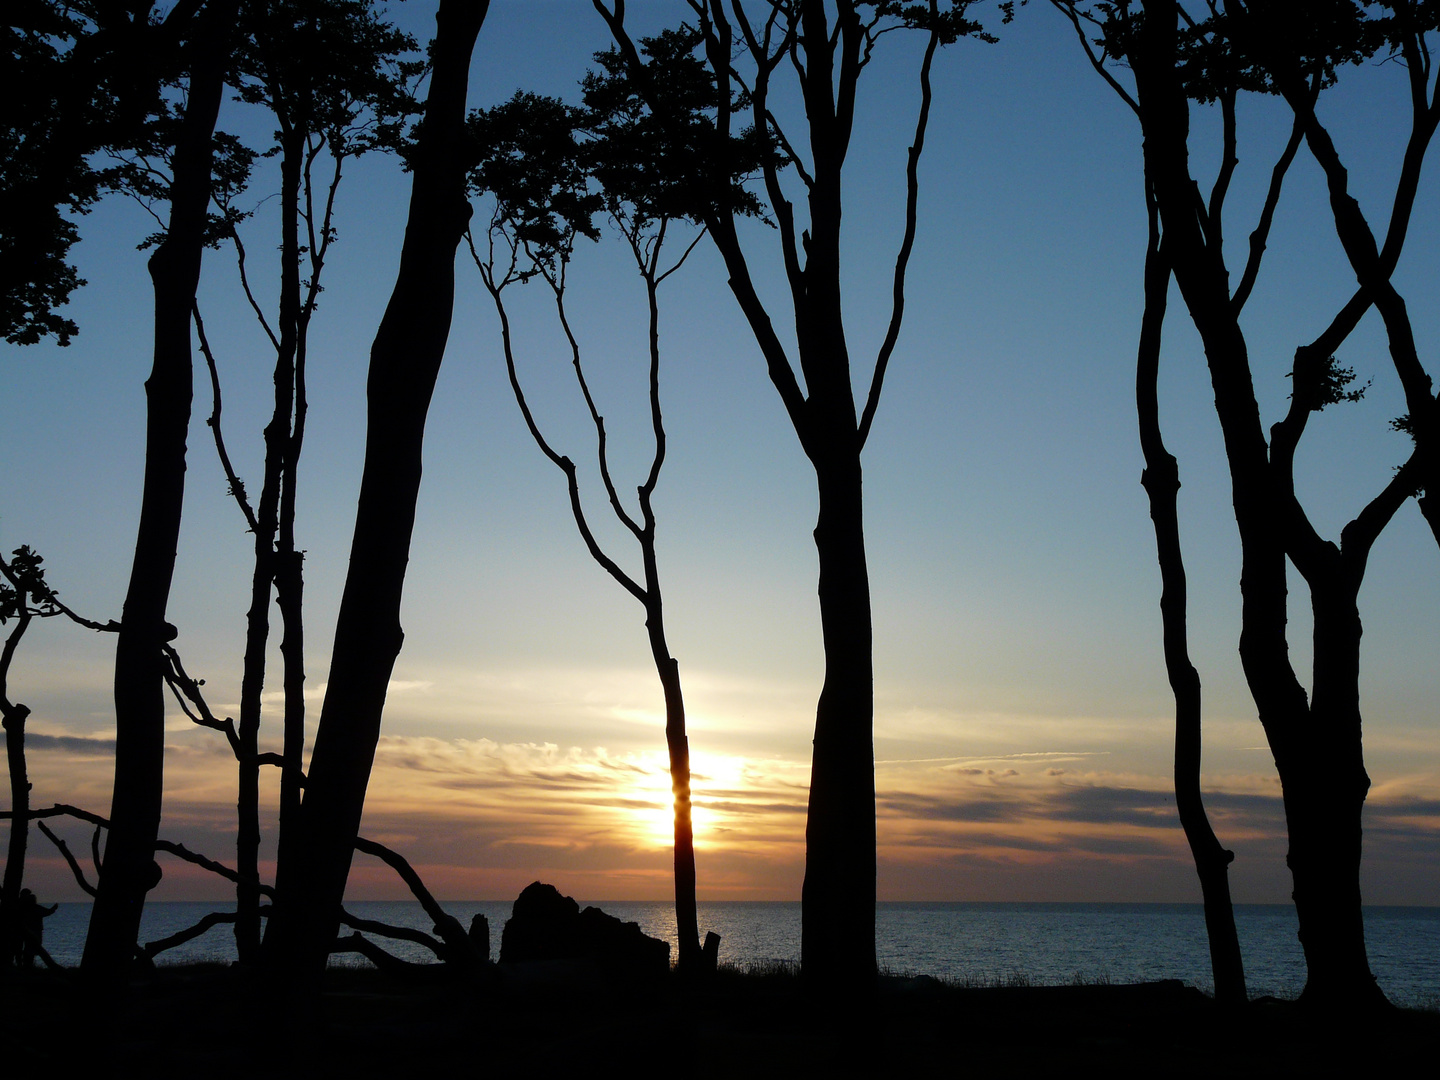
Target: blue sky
{"type": "Point", "coordinates": [1022, 716]}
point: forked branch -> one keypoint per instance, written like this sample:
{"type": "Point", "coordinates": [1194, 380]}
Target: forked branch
{"type": "Point", "coordinates": [902, 261]}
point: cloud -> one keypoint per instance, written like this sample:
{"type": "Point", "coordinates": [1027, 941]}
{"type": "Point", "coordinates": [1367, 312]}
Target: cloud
{"type": "Point", "coordinates": [482, 818]}
{"type": "Point", "coordinates": [75, 744]}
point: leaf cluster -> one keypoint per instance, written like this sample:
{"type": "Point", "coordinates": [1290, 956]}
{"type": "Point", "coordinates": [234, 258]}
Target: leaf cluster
{"type": "Point", "coordinates": [25, 576]}
{"type": "Point", "coordinates": [530, 159]}
{"type": "Point", "coordinates": [1230, 46]}
{"type": "Point", "coordinates": [1320, 381]}
{"type": "Point", "coordinates": [329, 67]}
{"type": "Point", "coordinates": [551, 167]}
{"type": "Point", "coordinates": [78, 79]}
{"type": "Point", "coordinates": [949, 23]}
{"type": "Point", "coordinates": [679, 166]}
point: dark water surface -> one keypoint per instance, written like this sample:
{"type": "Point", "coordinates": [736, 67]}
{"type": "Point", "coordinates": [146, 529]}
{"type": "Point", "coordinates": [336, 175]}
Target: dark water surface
{"type": "Point", "coordinates": [978, 943]}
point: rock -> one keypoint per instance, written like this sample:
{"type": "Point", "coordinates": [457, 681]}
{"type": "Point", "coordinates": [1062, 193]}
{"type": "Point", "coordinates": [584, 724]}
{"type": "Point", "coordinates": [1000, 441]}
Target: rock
{"type": "Point", "coordinates": [622, 946]}
{"type": "Point", "coordinates": [543, 925]}
{"type": "Point", "coordinates": [546, 925]}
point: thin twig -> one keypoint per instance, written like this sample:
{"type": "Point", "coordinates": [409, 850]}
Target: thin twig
{"type": "Point", "coordinates": [237, 486]}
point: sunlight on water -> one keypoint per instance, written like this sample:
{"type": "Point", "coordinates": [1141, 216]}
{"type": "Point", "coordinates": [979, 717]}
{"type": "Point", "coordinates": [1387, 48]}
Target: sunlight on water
{"type": "Point", "coordinates": [973, 943]}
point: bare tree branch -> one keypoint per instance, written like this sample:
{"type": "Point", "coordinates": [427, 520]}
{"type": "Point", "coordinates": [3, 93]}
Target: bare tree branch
{"type": "Point", "coordinates": [357, 943]}
{"type": "Point", "coordinates": [563, 463]}
{"type": "Point", "coordinates": [456, 940]}
{"type": "Point", "coordinates": [1261, 234]}
{"type": "Point", "coordinates": [69, 857]}
{"type": "Point", "coordinates": [237, 486]}
{"type": "Point", "coordinates": [902, 261]}
{"type": "Point", "coordinates": [250, 296]}
{"type": "Point", "coordinates": [153, 949]}
{"type": "Point", "coordinates": [399, 933]}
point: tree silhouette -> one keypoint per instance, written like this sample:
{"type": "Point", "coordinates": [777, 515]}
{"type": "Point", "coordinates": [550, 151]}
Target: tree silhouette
{"type": "Point", "coordinates": [129, 869]}
{"type": "Point", "coordinates": [828, 56]}
{"type": "Point", "coordinates": [1161, 480]}
{"type": "Point", "coordinates": [81, 80]}
{"type": "Point", "coordinates": [541, 174]}
{"type": "Point", "coordinates": [404, 363]}
{"type": "Point", "coordinates": [331, 74]}
{"type": "Point", "coordinates": [1315, 738]}
{"type": "Point", "coordinates": [1282, 47]}
{"type": "Point", "coordinates": [23, 593]}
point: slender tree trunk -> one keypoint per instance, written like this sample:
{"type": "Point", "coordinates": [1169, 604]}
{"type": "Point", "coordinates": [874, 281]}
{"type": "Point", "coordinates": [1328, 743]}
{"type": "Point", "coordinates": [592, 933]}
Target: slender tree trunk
{"type": "Point", "coordinates": [289, 595]}
{"type": "Point", "coordinates": [404, 364]}
{"type": "Point", "coordinates": [267, 563]}
{"type": "Point", "coordinates": [1161, 481]}
{"type": "Point", "coordinates": [13, 715]}
{"type": "Point", "coordinates": [129, 870]}
{"type": "Point", "coordinates": [10, 930]}
{"type": "Point", "coordinates": [687, 919]}
{"type": "Point", "coordinates": [687, 922]}
{"type": "Point", "coordinates": [838, 896]}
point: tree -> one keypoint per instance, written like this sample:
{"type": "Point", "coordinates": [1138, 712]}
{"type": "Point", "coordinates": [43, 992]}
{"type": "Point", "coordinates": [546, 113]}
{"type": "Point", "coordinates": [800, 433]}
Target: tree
{"type": "Point", "coordinates": [79, 78]}
{"type": "Point", "coordinates": [25, 595]}
{"type": "Point", "coordinates": [129, 870]}
{"type": "Point", "coordinates": [1161, 481]}
{"type": "Point", "coordinates": [541, 176]}
{"type": "Point", "coordinates": [1315, 738]}
{"type": "Point", "coordinates": [330, 73]}
{"type": "Point", "coordinates": [1266, 34]}
{"type": "Point", "coordinates": [828, 57]}
{"type": "Point", "coordinates": [22, 598]}
{"type": "Point", "coordinates": [404, 363]}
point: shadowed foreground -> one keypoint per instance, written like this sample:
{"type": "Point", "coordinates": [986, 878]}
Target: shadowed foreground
{"type": "Point", "coordinates": [210, 1021]}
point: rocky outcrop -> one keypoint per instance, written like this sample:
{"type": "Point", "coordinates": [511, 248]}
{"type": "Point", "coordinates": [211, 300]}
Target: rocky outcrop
{"type": "Point", "coordinates": [546, 925]}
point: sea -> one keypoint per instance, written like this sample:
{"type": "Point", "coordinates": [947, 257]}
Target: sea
{"type": "Point", "coordinates": [971, 943]}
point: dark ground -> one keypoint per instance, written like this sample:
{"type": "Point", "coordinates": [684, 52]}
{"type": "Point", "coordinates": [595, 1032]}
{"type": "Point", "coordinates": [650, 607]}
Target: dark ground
{"type": "Point", "coordinates": [558, 1019]}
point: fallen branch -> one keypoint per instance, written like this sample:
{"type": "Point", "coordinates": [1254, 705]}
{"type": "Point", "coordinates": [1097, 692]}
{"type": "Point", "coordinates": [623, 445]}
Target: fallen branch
{"type": "Point", "coordinates": [458, 945]}
{"type": "Point", "coordinates": [215, 918]}
{"type": "Point", "coordinates": [400, 933]}
{"type": "Point", "coordinates": [383, 960]}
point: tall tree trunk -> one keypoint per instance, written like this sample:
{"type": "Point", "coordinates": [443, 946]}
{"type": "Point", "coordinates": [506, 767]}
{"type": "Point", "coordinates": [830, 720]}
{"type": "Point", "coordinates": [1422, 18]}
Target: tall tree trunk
{"type": "Point", "coordinates": [129, 869]}
{"type": "Point", "coordinates": [1161, 481]}
{"type": "Point", "coordinates": [838, 897]}
{"type": "Point", "coordinates": [1317, 755]}
{"type": "Point", "coordinates": [677, 741]}
{"type": "Point", "coordinates": [404, 363]}
{"type": "Point", "coordinates": [15, 715]}
{"type": "Point", "coordinates": [290, 591]}
{"type": "Point", "coordinates": [1324, 797]}
{"type": "Point", "coordinates": [278, 446]}
{"type": "Point", "coordinates": [289, 596]}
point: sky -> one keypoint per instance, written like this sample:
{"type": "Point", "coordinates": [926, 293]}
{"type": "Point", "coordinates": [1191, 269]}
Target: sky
{"type": "Point", "coordinates": [1023, 723]}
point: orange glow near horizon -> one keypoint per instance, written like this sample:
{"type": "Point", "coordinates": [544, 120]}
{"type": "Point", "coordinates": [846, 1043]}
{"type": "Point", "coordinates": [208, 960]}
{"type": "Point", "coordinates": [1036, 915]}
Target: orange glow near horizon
{"type": "Point", "coordinates": [481, 819]}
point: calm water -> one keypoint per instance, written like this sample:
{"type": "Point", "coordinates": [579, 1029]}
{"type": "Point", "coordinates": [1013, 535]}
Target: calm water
{"type": "Point", "coordinates": [1044, 943]}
